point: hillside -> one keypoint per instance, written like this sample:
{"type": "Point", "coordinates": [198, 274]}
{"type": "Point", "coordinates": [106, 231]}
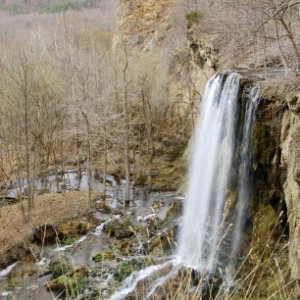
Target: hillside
{"type": "Point", "coordinates": [51, 6]}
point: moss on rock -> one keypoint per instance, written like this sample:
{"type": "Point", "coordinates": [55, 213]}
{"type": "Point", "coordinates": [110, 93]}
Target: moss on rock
{"type": "Point", "coordinates": [265, 231]}
{"type": "Point", "coordinates": [98, 257]}
{"type": "Point", "coordinates": [69, 284]}
{"type": "Point", "coordinates": [119, 229]}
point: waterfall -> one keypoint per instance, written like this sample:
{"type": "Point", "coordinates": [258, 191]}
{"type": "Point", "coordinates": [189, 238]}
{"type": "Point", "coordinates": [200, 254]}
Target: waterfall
{"type": "Point", "coordinates": [220, 163]}
{"type": "Point", "coordinates": [244, 184]}
{"type": "Point", "coordinates": [219, 187]}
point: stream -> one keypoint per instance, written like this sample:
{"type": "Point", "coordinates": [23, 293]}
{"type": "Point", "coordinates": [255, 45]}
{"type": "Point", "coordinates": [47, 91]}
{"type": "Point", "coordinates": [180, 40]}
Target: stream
{"type": "Point", "coordinates": [110, 255]}
{"type": "Point", "coordinates": [69, 180]}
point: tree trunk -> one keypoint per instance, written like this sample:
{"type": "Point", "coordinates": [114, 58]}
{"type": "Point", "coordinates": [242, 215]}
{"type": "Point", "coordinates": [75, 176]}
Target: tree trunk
{"type": "Point", "coordinates": [90, 171]}
{"type": "Point", "coordinates": [126, 132]}
{"type": "Point", "coordinates": [290, 35]}
{"type": "Point", "coordinates": [27, 150]}
{"type": "Point", "coordinates": [284, 61]}
{"type": "Point", "coordinates": [104, 166]}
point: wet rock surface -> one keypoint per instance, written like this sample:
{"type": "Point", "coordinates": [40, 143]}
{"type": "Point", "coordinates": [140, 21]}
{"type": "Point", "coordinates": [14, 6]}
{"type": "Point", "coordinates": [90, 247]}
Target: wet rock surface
{"type": "Point", "coordinates": [91, 256]}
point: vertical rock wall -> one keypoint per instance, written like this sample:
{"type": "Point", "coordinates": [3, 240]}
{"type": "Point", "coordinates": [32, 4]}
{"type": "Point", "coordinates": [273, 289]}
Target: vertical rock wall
{"type": "Point", "coordinates": [150, 29]}
{"type": "Point", "coordinates": [290, 160]}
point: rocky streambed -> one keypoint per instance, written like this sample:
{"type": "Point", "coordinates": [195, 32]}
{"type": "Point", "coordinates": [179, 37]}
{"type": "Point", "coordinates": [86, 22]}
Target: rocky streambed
{"type": "Point", "coordinates": [96, 255]}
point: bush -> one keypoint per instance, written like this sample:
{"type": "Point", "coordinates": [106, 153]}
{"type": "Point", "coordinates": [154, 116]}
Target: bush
{"type": "Point", "coordinates": [68, 5]}
{"type": "Point", "coordinates": [192, 17]}
{"type": "Point", "coordinates": [12, 8]}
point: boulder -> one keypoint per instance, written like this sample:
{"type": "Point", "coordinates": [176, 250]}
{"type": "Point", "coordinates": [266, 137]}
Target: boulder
{"type": "Point", "coordinates": [119, 229]}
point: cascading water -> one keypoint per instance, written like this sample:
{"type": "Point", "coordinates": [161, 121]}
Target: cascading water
{"type": "Point", "coordinates": [218, 187]}
{"type": "Point", "coordinates": [244, 184]}
{"type": "Point", "coordinates": [209, 174]}
{"type": "Point", "coordinates": [212, 175]}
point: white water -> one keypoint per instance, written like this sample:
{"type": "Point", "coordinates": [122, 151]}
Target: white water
{"type": "Point", "coordinates": [6, 271]}
{"type": "Point", "coordinates": [136, 277]}
{"type": "Point", "coordinates": [220, 163]}
{"type": "Point", "coordinates": [209, 174]}
{"type": "Point", "coordinates": [215, 170]}
{"type": "Point", "coordinates": [99, 229]}
{"type": "Point", "coordinates": [63, 248]}
{"type": "Point", "coordinates": [42, 262]}
{"type": "Point", "coordinates": [243, 182]}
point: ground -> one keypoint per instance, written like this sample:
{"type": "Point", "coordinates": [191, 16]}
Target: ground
{"type": "Point", "coordinates": [51, 208]}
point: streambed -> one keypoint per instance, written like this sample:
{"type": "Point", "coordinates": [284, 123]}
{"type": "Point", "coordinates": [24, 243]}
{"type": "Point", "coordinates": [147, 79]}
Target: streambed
{"type": "Point", "coordinates": [125, 241]}
{"type": "Point", "coordinates": [68, 180]}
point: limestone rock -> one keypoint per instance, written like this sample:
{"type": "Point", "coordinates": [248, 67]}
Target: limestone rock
{"type": "Point", "coordinates": [69, 284]}
{"type": "Point", "coordinates": [144, 23]}
{"type": "Point", "coordinates": [46, 234]}
{"type": "Point", "coordinates": [290, 142]}
{"type": "Point", "coordinates": [74, 228]}
{"type": "Point", "coordinates": [119, 229]}
{"type": "Point", "coordinates": [264, 233]}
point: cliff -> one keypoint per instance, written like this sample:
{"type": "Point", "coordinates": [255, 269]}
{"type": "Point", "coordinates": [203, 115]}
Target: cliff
{"type": "Point", "coordinates": [290, 160]}
{"type": "Point", "coordinates": [148, 27]}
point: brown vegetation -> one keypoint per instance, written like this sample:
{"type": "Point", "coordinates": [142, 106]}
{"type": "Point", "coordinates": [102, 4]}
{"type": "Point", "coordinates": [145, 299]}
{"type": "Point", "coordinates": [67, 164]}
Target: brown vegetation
{"type": "Point", "coordinates": [49, 209]}
{"type": "Point", "coordinates": [72, 93]}
{"type": "Point", "coordinates": [251, 33]}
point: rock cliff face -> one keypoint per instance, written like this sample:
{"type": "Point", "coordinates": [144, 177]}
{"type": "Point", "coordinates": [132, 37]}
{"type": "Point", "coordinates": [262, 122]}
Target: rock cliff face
{"type": "Point", "coordinates": [157, 28]}
{"type": "Point", "coordinates": [144, 24]}
{"type": "Point", "coordinates": [155, 35]}
{"type": "Point", "coordinates": [149, 27]}
{"type": "Point", "coordinates": [290, 144]}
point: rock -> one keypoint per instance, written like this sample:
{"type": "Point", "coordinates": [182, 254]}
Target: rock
{"type": "Point", "coordinates": [290, 160]}
{"type": "Point", "coordinates": [74, 228]}
{"type": "Point", "coordinates": [294, 103]}
{"type": "Point", "coordinates": [98, 257]}
{"type": "Point", "coordinates": [173, 211]}
{"type": "Point", "coordinates": [119, 229]}
{"type": "Point", "coordinates": [46, 234]}
{"type": "Point", "coordinates": [126, 268]}
{"type": "Point", "coordinates": [142, 22]}
{"type": "Point", "coordinates": [264, 233]}
{"type": "Point", "coordinates": [59, 268]}
{"type": "Point", "coordinates": [66, 232]}
{"type": "Point", "coordinates": [19, 252]}
{"type": "Point", "coordinates": [103, 208]}
{"type": "Point", "coordinates": [70, 284]}
{"type": "Point", "coordinates": [164, 241]}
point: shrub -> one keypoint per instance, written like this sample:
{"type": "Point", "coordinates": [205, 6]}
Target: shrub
{"type": "Point", "coordinates": [12, 8]}
{"type": "Point", "coordinates": [192, 17]}
{"type": "Point", "coordinates": [67, 5]}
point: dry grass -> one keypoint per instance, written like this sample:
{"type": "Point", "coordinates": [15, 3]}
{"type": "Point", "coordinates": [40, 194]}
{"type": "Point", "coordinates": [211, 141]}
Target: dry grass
{"type": "Point", "coordinates": [51, 209]}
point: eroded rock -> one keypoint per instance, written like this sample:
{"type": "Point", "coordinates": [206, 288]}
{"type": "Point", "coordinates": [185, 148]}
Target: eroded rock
{"type": "Point", "coordinates": [69, 284]}
{"type": "Point", "coordinates": [119, 229]}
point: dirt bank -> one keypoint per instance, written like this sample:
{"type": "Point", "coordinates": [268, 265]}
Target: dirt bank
{"type": "Point", "coordinates": [54, 208]}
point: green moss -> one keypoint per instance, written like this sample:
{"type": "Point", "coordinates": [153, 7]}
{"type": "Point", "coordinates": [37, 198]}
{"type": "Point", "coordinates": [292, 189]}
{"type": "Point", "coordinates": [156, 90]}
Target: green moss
{"type": "Point", "coordinates": [11, 285]}
{"type": "Point", "coordinates": [264, 232]}
{"type": "Point", "coordinates": [68, 240]}
{"type": "Point", "coordinates": [264, 146]}
{"type": "Point", "coordinates": [126, 268]}
{"type": "Point", "coordinates": [12, 8]}
{"type": "Point", "coordinates": [70, 284]}
{"type": "Point", "coordinates": [192, 17]}
{"type": "Point", "coordinates": [119, 229]}
{"type": "Point", "coordinates": [59, 268]}
{"type": "Point", "coordinates": [98, 257]}
{"type": "Point", "coordinates": [67, 5]}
